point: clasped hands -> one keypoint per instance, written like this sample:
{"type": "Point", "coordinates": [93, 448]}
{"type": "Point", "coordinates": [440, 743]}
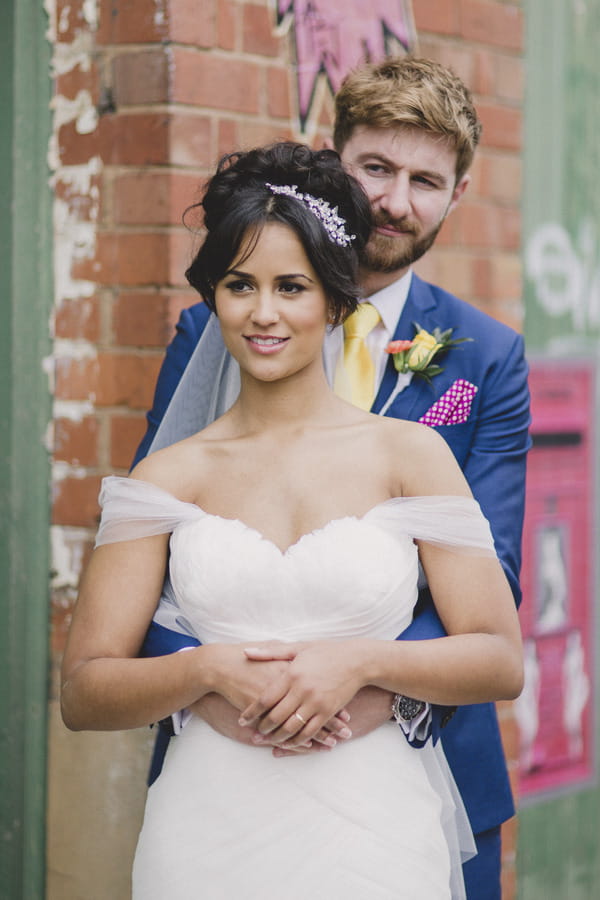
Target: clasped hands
{"type": "Point", "coordinates": [302, 697]}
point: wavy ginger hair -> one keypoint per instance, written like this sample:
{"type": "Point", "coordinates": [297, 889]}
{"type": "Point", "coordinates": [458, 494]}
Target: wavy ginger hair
{"type": "Point", "coordinates": [409, 92]}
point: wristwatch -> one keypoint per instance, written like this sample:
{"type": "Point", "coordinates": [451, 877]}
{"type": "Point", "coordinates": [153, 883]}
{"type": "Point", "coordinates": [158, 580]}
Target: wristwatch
{"type": "Point", "coordinates": [405, 709]}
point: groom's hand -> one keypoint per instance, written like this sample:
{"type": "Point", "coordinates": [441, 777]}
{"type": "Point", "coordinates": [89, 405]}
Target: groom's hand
{"type": "Point", "coordinates": [223, 717]}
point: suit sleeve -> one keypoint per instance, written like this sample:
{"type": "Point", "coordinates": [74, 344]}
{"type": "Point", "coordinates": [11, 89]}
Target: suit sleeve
{"type": "Point", "coordinates": [188, 330]}
{"type": "Point", "coordinates": [496, 464]}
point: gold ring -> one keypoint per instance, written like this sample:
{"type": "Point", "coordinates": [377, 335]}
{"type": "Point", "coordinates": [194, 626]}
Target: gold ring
{"type": "Point", "coordinates": [298, 716]}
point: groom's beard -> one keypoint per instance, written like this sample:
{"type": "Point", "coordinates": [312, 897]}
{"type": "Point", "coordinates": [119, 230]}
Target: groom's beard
{"type": "Point", "coordinates": [386, 253]}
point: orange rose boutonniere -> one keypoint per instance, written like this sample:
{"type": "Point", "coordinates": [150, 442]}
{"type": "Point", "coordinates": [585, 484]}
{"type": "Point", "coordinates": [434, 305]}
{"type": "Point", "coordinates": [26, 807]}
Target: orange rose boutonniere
{"type": "Point", "coordinates": [417, 355]}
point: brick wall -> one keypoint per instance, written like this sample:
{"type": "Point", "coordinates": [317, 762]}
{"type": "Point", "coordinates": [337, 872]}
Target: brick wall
{"type": "Point", "coordinates": [148, 94]}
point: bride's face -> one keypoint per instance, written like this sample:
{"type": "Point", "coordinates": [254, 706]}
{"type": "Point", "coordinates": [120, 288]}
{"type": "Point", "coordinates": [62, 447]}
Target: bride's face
{"type": "Point", "coordinates": [272, 307]}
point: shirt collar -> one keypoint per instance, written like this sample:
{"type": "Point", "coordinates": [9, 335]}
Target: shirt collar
{"type": "Point", "coordinates": [389, 301]}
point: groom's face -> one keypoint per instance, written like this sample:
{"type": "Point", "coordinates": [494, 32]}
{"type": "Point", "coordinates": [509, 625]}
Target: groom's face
{"type": "Point", "coordinates": [409, 176]}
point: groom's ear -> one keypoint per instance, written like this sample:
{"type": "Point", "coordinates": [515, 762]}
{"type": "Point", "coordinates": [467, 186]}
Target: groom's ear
{"type": "Point", "coordinates": [328, 144]}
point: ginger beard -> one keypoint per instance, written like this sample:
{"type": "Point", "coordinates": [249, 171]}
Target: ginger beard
{"type": "Point", "coordinates": [386, 253]}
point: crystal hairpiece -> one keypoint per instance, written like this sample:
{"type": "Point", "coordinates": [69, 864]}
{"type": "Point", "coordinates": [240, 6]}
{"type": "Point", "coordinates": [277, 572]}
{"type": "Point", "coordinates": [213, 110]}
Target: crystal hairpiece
{"type": "Point", "coordinates": [333, 224]}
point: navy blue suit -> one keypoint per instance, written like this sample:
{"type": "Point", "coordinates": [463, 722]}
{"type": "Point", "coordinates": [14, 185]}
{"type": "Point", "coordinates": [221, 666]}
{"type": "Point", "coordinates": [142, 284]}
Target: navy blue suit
{"type": "Point", "coordinates": [490, 447]}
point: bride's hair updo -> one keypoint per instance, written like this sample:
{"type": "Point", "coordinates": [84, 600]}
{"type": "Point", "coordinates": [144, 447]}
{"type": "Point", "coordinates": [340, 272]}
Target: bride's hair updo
{"type": "Point", "coordinates": [238, 202]}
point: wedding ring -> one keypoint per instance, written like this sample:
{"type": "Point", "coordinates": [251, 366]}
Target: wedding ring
{"type": "Point", "coordinates": [298, 716]}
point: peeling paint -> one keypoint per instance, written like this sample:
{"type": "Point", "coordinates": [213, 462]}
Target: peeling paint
{"type": "Point", "coordinates": [80, 110]}
{"type": "Point", "coordinates": [160, 13]}
{"type": "Point", "coordinates": [62, 470]}
{"type": "Point", "coordinates": [90, 13]}
{"type": "Point", "coordinates": [68, 56]}
{"type": "Point", "coordinates": [63, 22]}
{"type": "Point", "coordinates": [73, 240]}
{"type": "Point", "coordinates": [67, 546]}
{"type": "Point", "coordinates": [74, 349]}
{"type": "Point", "coordinates": [50, 10]}
{"type": "Point", "coordinates": [74, 410]}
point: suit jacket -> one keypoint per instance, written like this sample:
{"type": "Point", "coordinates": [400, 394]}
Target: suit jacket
{"type": "Point", "coordinates": [490, 447]}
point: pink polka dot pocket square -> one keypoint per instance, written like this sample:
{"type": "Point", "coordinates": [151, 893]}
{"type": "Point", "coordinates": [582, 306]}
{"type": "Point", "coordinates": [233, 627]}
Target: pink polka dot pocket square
{"type": "Point", "coordinates": [453, 407]}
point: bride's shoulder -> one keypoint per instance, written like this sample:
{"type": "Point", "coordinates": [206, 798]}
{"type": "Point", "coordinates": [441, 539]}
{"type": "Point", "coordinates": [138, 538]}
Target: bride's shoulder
{"type": "Point", "coordinates": [421, 460]}
{"type": "Point", "coordinates": [176, 469]}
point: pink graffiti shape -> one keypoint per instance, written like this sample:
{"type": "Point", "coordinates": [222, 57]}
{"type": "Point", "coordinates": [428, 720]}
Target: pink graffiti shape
{"type": "Point", "coordinates": [333, 36]}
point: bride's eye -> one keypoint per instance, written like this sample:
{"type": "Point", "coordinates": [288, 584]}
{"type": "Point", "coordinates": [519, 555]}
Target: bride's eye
{"type": "Point", "coordinates": [291, 287]}
{"type": "Point", "coordinates": [238, 286]}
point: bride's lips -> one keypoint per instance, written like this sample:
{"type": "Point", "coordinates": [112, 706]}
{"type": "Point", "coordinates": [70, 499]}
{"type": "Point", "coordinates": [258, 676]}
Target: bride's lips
{"type": "Point", "coordinates": [265, 344]}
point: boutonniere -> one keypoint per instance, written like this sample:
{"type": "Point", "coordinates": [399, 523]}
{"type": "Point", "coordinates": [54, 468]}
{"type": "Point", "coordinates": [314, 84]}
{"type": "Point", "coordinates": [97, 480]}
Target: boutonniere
{"type": "Point", "coordinates": [418, 355]}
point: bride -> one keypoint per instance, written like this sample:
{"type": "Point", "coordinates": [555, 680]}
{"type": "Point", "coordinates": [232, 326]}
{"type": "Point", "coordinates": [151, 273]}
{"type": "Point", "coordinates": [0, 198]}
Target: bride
{"type": "Point", "coordinates": [292, 528]}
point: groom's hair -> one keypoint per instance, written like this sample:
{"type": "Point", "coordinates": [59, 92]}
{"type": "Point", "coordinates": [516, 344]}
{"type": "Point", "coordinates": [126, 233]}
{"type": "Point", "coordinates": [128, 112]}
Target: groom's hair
{"type": "Point", "coordinates": [238, 203]}
{"type": "Point", "coordinates": [409, 92]}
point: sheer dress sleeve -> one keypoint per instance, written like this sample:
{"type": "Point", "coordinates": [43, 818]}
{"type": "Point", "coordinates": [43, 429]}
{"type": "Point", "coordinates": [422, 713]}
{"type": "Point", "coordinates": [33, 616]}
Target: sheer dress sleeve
{"type": "Point", "coordinates": [135, 509]}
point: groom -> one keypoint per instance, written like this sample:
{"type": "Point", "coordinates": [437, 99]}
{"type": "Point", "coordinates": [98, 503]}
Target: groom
{"type": "Point", "coordinates": [407, 130]}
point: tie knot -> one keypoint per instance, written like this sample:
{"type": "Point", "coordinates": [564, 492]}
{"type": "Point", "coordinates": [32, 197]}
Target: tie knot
{"type": "Point", "coordinates": [361, 322]}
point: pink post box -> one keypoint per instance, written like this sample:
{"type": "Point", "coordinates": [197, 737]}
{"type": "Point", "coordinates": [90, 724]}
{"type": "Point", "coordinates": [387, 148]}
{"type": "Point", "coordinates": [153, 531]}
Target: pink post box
{"type": "Point", "coordinates": [555, 710]}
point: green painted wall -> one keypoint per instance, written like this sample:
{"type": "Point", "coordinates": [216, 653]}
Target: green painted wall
{"type": "Point", "coordinates": [25, 303]}
{"type": "Point", "coordinates": [559, 839]}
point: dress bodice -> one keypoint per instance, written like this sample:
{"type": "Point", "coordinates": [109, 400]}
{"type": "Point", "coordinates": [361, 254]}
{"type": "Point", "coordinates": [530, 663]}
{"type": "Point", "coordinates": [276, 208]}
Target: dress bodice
{"type": "Point", "coordinates": [355, 577]}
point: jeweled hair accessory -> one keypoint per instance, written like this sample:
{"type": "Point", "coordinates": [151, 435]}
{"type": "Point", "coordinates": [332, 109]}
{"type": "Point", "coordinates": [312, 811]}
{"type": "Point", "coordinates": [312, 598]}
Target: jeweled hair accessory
{"type": "Point", "coordinates": [333, 224]}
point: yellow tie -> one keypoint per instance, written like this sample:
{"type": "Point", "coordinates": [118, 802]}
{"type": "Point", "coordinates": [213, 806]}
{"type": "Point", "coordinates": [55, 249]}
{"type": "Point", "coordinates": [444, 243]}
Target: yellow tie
{"type": "Point", "coordinates": [358, 364]}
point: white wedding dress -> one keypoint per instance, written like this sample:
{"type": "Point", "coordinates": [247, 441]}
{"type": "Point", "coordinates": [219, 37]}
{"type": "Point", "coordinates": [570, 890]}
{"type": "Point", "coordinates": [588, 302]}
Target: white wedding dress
{"type": "Point", "coordinates": [372, 819]}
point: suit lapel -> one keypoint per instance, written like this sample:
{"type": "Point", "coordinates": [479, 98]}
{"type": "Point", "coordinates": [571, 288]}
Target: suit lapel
{"type": "Point", "coordinates": [419, 307]}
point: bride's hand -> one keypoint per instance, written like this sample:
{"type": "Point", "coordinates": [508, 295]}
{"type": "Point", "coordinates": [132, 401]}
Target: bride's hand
{"type": "Point", "coordinates": [319, 682]}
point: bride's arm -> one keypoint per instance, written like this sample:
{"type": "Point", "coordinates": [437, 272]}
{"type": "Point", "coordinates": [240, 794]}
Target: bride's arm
{"type": "Point", "coordinates": [104, 685]}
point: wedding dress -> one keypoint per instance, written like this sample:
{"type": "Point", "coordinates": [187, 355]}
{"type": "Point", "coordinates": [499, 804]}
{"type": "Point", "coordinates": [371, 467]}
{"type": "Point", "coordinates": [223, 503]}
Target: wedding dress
{"type": "Point", "coordinates": [374, 818]}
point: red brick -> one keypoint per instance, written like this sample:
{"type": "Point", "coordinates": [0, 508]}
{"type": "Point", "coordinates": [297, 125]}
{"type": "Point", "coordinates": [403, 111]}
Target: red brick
{"type": "Point", "coordinates": [126, 433]}
{"type": "Point", "coordinates": [183, 247]}
{"type": "Point", "coordinates": [506, 277]}
{"type": "Point", "coordinates": [227, 17]}
{"type": "Point", "coordinates": [228, 137]}
{"type": "Point", "coordinates": [502, 126]}
{"type": "Point", "coordinates": [127, 259]}
{"type": "Point", "coordinates": [75, 379]}
{"type": "Point", "coordinates": [127, 379]}
{"type": "Point", "coordinates": [153, 198]}
{"type": "Point", "coordinates": [75, 502]}
{"type": "Point", "coordinates": [70, 20]}
{"type": "Point", "coordinates": [509, 838]}
{"type": "Point", "coordinates": [279, 102]}
{"type": "Point", "coordinates": [459, 58]}
{"type": "Point", "coordinates": [201, 79]}
{"type": "Point", "coordinates": [492, 23]}
{"type": "Point", "coordinates": [141, 319]}
{"type": "Point", "coordinates": [510, 78]}
{"type": "Point", "coordinates": [139, 139]}
{"type": "Point", "coordinates": [76, 442]}
{"type": "Point", "coordinates": [509, 882]}
{"type": "Point", "coordinates": [191, 141]}
{"type": "Point", "coordinates": [438, 16]}
{"type": "Point", "coordinates": [254, 133]}
{"type": "Point", "coordinates": [78, 319]}
{"type": "Point", "coordinates": [483, 225]}
{"type": "Point", "coordinates": [482, 279]}
{"type": "Point", "coordinates": [141, 76]}
{"type": "Point", "coordinates": [191, 22]}
{"type": "Point", "coordinates": [177, 303]}
{"type": "Point", "coordinates": [83, 206]}
{"type": "Point", "coordinates": [501, 177]}
{"type": "Point", "coordinates": [258, 30]}
{"type": "Point", "coordinates": [144, 21]}
{"type": "Point", "coordinates": [69, 84]}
